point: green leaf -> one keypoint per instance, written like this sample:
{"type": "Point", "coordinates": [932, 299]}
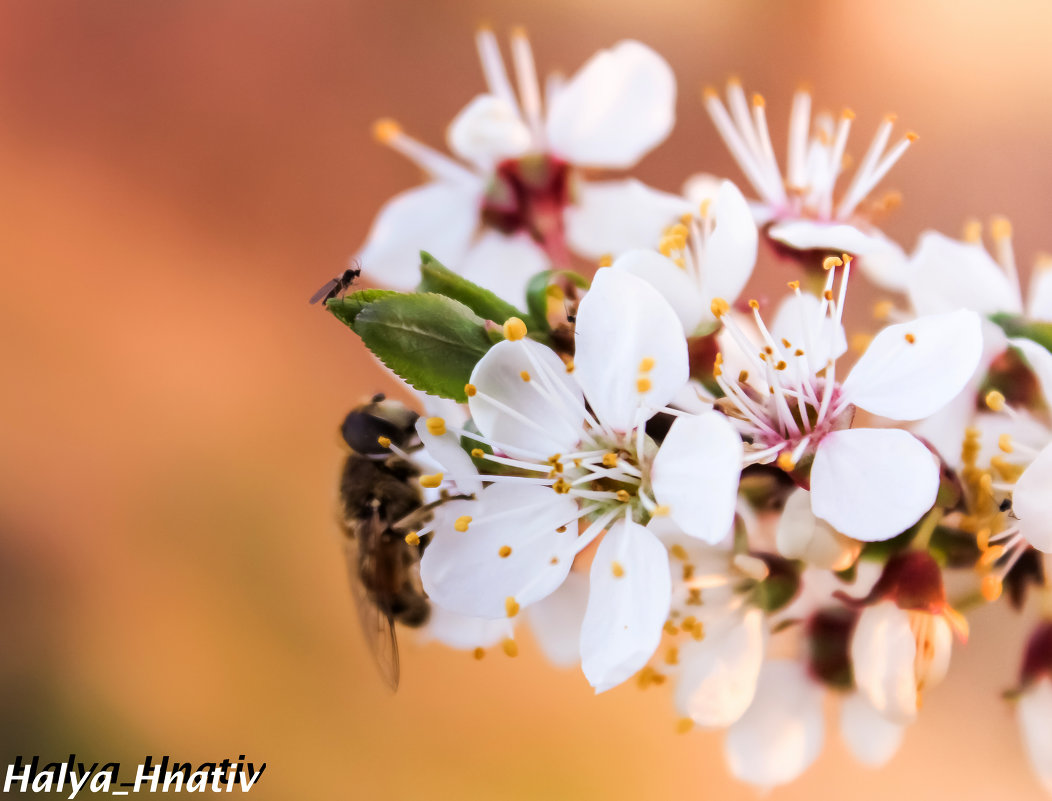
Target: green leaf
{"type": "Point", "coordinates": [1015, 325]}
{"type": "Point", "coordinates": [436, 278]}
{"type": "Point", "coordinates": [431, 341]}
{"type": "Point", "coordinates": [537, 293]}
{"type": "Point", "coordinates": [346, 309]}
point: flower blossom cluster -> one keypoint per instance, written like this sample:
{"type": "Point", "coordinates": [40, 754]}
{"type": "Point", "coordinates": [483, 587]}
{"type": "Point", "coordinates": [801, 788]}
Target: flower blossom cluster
{"type": "Point", "coordinates": [671, 483]}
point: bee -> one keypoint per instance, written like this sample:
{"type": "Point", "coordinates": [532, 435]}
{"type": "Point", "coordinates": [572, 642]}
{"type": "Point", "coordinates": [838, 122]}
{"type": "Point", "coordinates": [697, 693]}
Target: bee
{"type": "Point", "coordinates": [338, 285]}
{"type": "Point", "coordinates": [381, 502]}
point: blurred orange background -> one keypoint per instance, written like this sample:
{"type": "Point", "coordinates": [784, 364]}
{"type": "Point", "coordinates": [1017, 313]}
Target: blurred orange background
{"type": "Point", "coordinates": [177, 178]}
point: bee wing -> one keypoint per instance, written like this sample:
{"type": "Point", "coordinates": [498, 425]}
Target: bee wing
{"type": "Point", "coordinates": [328, 287]}
{"type": "Point", "coordinates": [378, 627]}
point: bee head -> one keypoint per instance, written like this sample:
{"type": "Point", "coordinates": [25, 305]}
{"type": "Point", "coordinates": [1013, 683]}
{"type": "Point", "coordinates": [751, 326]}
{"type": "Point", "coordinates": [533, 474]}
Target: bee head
{"type": "Point", "coordinates": [365, 425]}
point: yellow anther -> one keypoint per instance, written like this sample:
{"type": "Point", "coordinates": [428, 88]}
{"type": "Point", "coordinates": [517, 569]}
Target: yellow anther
{"type": "Point", "coordinates": [436, 426]}
{"type": "Point", "coordinates": [793, 285]}
{"type": "Point", "coordinates": [672, 655]}
{"type": "Point", "coordinates": [982, 538]}
{"type": "Point", "coordinates": [786, 343]}
{"type": "Point", "coordinates": [973, 231]}
{"type": "Point", "coordinates": [679, 230]}
{"type": "Point", "coordinates": [686, 219]}
{"type": "Point", "coordinates": [555, 292]}
{"type": "Point", "coordinates": [524, 375]}
{"type": "Point", "coordinates": [610, 459]}
{"type": "Point", "coordinates": [514, 329]}
{"type": "Point", "coordinates": [860, 341]}
{"type": "Point", "coordinates": [709, 93]}
{"type": "Point", "coordinates": [504, 552]}
{"type": "Point", "coordinates": [461, 523]}
{"type": "Point", "coordinates": [785, 461]}
{"type": "Point", "coordinates": [758, 101]}
{"type": "Point", "coordinates": [754, 304]}
{"type": "Point", "coordinates": [829, 262]}
{"type": "Point", "coordinates": [911, 338]}
{"type": "Point", "coordinates": [911, 136]}
{"type": "Point", "coordinates": [569, 366]}
{"type": "Point", "coordinates": [477, 453]}
{"type": "Point", "coordinates": [697, 631]}
{"type": "Point", "coordinates": [890, 117]}
{"type": "Point", "coordinates": [661, 510]}
{"type": "Point", "coordinates": [1004, 442]}
{"type": "Point", "coordinates": [617, 569]}
{"type": "Point", "coordinates": [646, 364]}
{"type": "Point", "coordinates": [704, 207]}
{"type": "Point", "coordinates": [679, 552]}
{"type": "Point", "coordinates": [991, 587]}
{"type": "Point", "coordinates": [386, 130]}
{"type": "Point", "coordinates": [882, 310]}
{"type": "Point", "coordinates": [470, 390]}
{"type": "Point", "coordinates": [719, 307]}
{"type": "Point", "coordinates": [743, 376]}
{"type": "Point", "coordinates": [478, 653]}
{"type": "Point", "coordinates": [991, 555]}
{"type": "Point", "coordinates": [684, 725]}
{"type": "Point", "coordinates": [752, 566]}
{"type": "Point", "coordinates": [606, 260]}
{"type": "Point", "coordinates": [828, 294]}
{"type": "Point", "coordinates": [432, 481]}
{"type": "Point", "coordinates": [385, 442]}
{"type": "Point", "coordinates": [643, 384]}
{"type": "Point", "coordinates": [1000, 228]}
{"type": "Point", "coordinates": [511, 648]}
{"type": "Point", "coordinates": [511, 606]}
{"type": "Point", "coordinates": [412, 538]}
{"type": "Point", "coordinates": [694, 594]}
{"type": "Point", "coordinates": [995, 401]}
{"type": "Point", "coordinates": [680, 262]}
{"type": "Point", "coordinates": [671, 628]}
{"type": "Point", "coordinates": [561, 486]}
{"type": "Point", "coordinates": [781, 365]}
{"type": "Point", "coordinates": [717, 366]}
{"type": "Point", "coordinates": [623, 496]}
{"type": "Point", "coordinates": [798, 352]}
{"type": "Point", "coordinates": [847, 114]}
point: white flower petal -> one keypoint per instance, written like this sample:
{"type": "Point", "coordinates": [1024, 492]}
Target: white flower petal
{"type": "Point", "coordinates": [912, 370]}
{"type": "Point", "coordinates": [556, 620]}
{"type": "Point", "coordinates": [446, 450]}
{"type": "Point", "coordinates": [487, 131]}
{"type": "Point", "coordinates": [730, 251]}
{"type": "Point", "coordinates": [701, 187]}
{"type": "Point", "coordinates": [618, 106]}
{"type": "Point", "coordinates": [1035, 724]}
{"type": "Point", "coordinates": [871, 483]}
{"type": "Point", "coordinates": [504, 264]}
{"type": "Point", "coordinates": [622, 321]}
{"type": "Point", "coordinates": [799, 321]}
{"type": "Point", "coordinates": [883, 650]}
{"type": "Point", "coordinates": [1040, 361]}
{"type": "Point", "coordinates": [465, 572]}
{"type": "Point", "coordinates": [871, 737]}
{"type": "Point", "coordinates": [675, 285]}
{"type": "Point", "coordinates": [695, 474]}
{"type": "Point", "coordinates": [1032, 500]}
{"type": "Point", "coordinates": [623, 623]}
{"type": "Point", "coordinates": [801, 535]}
{"type": "Point", "coordinates": [438, 217]}
{"type": "Point", "coordinates": [463, 632]}
{"type": "Point", "coordinates": [610, 217]}
{"type": "Point", "coordinates": [719, 674]}
{"type": "Point", "coordinates": [535, 417]}
{"type": "Point", "coordinates": [781, 734]}
{"type": "Point", "coordinates": [814, 235]}
{"type": "Point", "coordinates": [885, 263]}
{"type": "Point", "coordinates": [1039, 305]}
{"type": "Point", "coordinates": [948, 275]}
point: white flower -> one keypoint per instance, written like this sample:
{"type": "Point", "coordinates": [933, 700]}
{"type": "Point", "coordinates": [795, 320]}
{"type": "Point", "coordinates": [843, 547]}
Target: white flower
{"type": "Point", "coordinates": [701, 259]}
{"type": "Point", "coordinates": [1035, 724]}
{"type": "Point", "coordinates": [801, 535]}
{"type": "Point", "coordinates": [870, 736]}
{"type": "Point", "coordinates": [515, 544]}
{"type": "Point", "coordinates": [782, 732]}
{"type": "Point", "coordinates": [796, 409]}
{"type": "Point", "coordinates": [515, 202]}
{"type": "Point", "coordinates": [896, 654]}
{"type": "Point", "coordinates": [800, 207]}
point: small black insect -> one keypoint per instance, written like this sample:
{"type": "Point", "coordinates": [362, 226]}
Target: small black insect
{"type": "Point", "coordinates": [338, 285]}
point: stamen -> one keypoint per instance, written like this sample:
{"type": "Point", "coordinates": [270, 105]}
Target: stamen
{"type": "Point", "coordinates": [390, 133]}
{"type": "Point", "coordinates": [510, 647]}
{"type": "Point", "coordinates": [617, 569]}
{"type": "Point", "coordinates": [412, 538]}
{"type": "Point", "coordinates": [524, 375]}
{"type": "Point", "coordinates": [529, 88]}
{"type": "Point", "coordinates": [504, 552]}
{"type": "Point", "coordinates": [493, 67]}
{"type": "Point", "coordinates": [514, 329]}
{"type": "Point", "coordinates": [384, 442]}
{"type": "Point", "coordinates": [431, 481]}
{"type": "Point", "coordinates": [461, 523]}
{"type": "Point", "coordinates": [470, 390]}
{"type": "Point", "coordinates": [436, 426]}
{"type": "Point", "coordinates": [511, 606]}
{"type": "Point", "coordinates": [479, 652]}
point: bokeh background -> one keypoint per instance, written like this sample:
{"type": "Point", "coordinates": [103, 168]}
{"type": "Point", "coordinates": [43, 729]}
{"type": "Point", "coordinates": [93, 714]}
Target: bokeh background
{"type": "Point", "coordinates": [176, 177]}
